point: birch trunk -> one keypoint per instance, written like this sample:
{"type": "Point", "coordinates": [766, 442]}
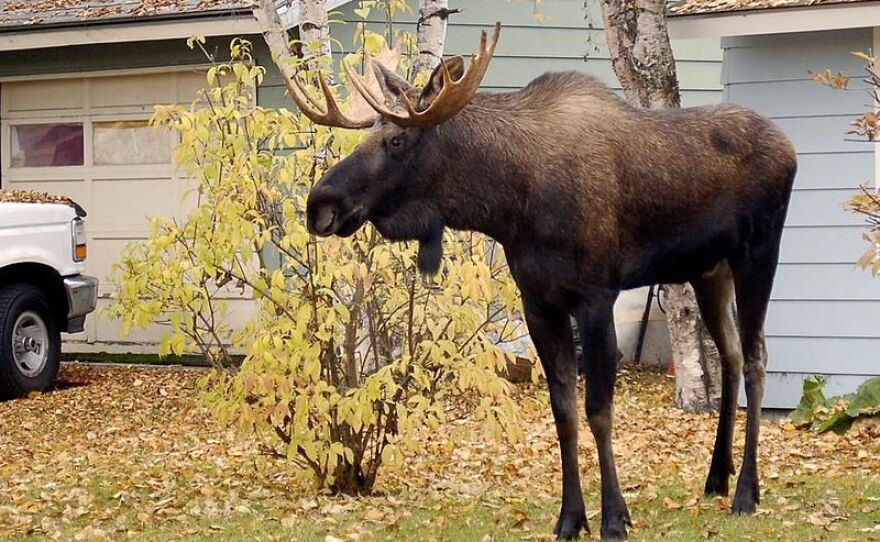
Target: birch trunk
{"type": "Point", "coordinates": [642, 58]}
{"type": "Point", "coordinates": [274, 34]}
{"type": "Point", "coordinates": [430, 34]}
{"type": "Point", "coordinates": [314, 31]}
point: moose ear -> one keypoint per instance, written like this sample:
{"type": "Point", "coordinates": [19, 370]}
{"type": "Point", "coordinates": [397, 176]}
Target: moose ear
{"type": "Point", "coordinates": [455, 65]}
{"type": "Point", "coordinates": [393, 85]}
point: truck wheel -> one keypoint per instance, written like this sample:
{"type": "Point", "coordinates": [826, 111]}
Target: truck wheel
{"type": "Point", "coordinates": [30, 343]}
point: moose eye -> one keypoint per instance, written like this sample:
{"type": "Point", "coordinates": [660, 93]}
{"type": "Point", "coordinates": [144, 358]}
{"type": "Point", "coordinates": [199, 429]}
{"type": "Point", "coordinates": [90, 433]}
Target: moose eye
{"type": "Point", "coordinates": [395, 141]}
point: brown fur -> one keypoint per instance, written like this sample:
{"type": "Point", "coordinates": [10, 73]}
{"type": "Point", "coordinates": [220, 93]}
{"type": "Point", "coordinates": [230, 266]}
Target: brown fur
{"type": "Point", "coordinates": [567, 161]}
{"type": "Point", "coordinates": [589, 196]}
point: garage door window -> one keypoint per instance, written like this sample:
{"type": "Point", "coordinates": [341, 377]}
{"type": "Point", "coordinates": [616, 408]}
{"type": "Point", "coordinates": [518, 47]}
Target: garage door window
{"type": "Point", "coordinates": [130, 142]}
{"type": "Point", "coordinates": [45, 145]}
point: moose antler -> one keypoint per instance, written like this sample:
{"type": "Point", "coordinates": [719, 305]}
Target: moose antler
{"type": "Point", "coordinates": [451, 99]}
{"type": "Point", "coordinates": [310, 107]}
{"type": "Point", "coordinates": [360, 114]}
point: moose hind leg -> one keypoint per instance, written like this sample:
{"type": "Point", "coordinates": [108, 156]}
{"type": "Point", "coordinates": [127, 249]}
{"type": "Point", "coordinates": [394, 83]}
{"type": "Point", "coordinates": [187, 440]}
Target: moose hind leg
{"type": "Point", "coordinates": [714, 292]}
{"type": "Point", "coordinates": [550, 330]}
{"type": "Point", "coordinates": [601, 357]}
{"type": "Point", "coordinates": [754, 280]}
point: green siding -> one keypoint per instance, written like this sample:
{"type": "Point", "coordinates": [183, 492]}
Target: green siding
{"type": "Point", "coordinates": [86, 58]}
{"type": "Point", "coordinates": [560, 39]}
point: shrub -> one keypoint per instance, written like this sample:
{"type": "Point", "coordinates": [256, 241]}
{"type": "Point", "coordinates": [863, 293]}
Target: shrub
{"type": "Point", "coordinates": [835, 413]}
{"type": "Point", "coordinates": [349, 350]}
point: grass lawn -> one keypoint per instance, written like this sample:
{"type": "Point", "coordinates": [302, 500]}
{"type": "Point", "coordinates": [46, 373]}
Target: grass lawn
{"type": "Point", "coordinates": [127, 454]}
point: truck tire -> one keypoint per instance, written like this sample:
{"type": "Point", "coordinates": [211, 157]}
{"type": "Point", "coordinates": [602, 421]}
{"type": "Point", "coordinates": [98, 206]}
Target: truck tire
{"type": "Point", "coordinates": [30, 342]}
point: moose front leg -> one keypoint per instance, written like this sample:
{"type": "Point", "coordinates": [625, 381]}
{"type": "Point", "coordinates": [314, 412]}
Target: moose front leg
{"type": "Point", "coordinates": [550, 330]}
{"type": "Point", "coordinates": [599, 340]}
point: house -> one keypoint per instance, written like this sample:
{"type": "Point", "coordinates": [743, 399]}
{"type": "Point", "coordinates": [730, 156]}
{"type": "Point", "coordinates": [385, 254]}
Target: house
{"type": "Point", "coordinates": [82, 76]}
{"type": "Point", "coordinates": [823, 316]}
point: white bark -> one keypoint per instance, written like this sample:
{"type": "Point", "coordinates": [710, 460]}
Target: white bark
{"type": "Point", "coordinates": [641, 52]}
{"type": "Point", "coordinates": [697, 365]}
{"type": "Point", "coordinates": [274, 34]}
{"type": "Point", "coordinates": [431, 34]}
{"type": "Point", "coordinates": [314, 31]}
{"type": "Point", "coordinates": [644, 64]}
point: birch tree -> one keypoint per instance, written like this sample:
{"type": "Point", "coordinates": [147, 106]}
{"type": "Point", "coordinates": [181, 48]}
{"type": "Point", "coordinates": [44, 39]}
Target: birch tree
{"type": "Point", "coordinates": [274, 34]}
{"type": "Point", "coordinates": [314, 30]}
{"type": "Point", "coordinates": [431, 33]}
{"type": "Point", "coordinates": [643, 62]}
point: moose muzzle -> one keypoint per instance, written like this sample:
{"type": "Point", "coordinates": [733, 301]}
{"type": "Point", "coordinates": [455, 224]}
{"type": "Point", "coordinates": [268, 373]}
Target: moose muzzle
{"type": "Point", "coordinates": [330, 212]}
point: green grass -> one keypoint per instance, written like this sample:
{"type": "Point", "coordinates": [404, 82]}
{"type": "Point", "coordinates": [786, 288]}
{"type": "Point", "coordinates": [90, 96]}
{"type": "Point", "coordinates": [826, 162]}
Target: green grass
{"type": "Point", "coordinates": [142, 359]}
{"type": "Point", "coordinates": [135, 359]}
{"type": "Point", "coordinates": [807, 509]}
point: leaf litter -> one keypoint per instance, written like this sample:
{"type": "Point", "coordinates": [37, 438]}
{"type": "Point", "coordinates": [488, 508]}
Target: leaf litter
{"type": "Point", "coordinates": [114, 452]}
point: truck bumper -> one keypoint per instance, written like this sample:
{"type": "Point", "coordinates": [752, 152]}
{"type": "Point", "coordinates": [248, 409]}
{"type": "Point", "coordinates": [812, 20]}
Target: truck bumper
{"type": "Point", "coordinates": [82, 297]}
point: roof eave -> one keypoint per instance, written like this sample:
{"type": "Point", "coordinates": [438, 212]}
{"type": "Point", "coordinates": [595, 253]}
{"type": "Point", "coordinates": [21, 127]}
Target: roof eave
{"type": "Point", "coordinates": [128, 31]}
{"type": "Point", "coordinates": [231, 21]}
{"type": "Point", "coordinates": [122, 19]}
{"type": "Point", "coordinates": [775, 21]}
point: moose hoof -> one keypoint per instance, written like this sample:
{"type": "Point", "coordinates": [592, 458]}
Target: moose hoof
{"type": "Point", "coordinates": [614, 526]}
{"type": "Point", "coordinates": [570, 524]}
{"type": "Point", "coordinates": [742, 507]}
{"type": "Point", "coordinates": [746, 500]}
{"type": "Point", "coordinates": [717, 486]}
{"type": "Point", "coordinates": [718, 481]}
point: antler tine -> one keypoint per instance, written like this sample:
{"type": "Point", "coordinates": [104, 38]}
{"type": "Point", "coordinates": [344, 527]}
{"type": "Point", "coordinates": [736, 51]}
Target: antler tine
{"type": "Point", "coordinates": [408, 105]}
{"type": "Point", "coordinates": [451, 99]}
{"type": "Point", "coordinates": [361, 87]}
{"type": "Point", "coordinates": [447, 77]}
{"type": "Point", "coordinates": [311, 108]}
{"type": "Point", "coordinates": [301, 98]}
{"type": "Point", "coordinates": [332, 107]}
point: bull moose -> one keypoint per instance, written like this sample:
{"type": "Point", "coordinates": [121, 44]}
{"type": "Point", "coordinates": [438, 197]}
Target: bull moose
{"type": "Point", "coordinates": [588, 196]}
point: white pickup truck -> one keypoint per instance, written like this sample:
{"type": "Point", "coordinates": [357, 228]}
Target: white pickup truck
{"type": "Point", "coordinates": [42, 289]}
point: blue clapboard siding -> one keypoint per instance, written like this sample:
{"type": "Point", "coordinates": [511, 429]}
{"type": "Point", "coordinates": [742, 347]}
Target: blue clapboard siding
{"type": "Point", "coordinates": [561, 38]}
{"type": "Point", "coordinates": [830, 170]}
{"type": "Point", "coordinates": [832, 245]}
{"type": "Point", "coordinates": [824, 315]}
{"type": "Point", "coordinates": [798, 281]}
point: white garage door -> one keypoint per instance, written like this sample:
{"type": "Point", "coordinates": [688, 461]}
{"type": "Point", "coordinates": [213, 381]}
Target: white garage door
{"type": "Point", "coordinates": [87, 138]}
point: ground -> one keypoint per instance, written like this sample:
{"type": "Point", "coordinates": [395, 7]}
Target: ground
{"type": "Point", "coordinates": [128, 454]}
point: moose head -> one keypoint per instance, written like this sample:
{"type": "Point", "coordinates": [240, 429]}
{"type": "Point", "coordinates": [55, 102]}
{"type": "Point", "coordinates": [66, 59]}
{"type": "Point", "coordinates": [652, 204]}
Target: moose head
{"type": "Point", "coordinates": [388, 179]}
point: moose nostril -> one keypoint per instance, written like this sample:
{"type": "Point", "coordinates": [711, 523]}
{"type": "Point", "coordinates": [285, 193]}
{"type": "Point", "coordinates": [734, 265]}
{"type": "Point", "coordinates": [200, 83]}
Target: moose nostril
{"type": "Point", "coordinates": [325, 219]}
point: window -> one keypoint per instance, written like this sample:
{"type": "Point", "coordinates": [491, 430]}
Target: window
{"type": "Point", "coordinates": [130, 142]}
{"type": "Point", "coordinates": [43, 145]}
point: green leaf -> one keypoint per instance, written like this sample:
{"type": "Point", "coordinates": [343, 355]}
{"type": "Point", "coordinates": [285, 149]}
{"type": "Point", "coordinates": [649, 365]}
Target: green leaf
{"type": "Point", "coordinates": [811, 398]}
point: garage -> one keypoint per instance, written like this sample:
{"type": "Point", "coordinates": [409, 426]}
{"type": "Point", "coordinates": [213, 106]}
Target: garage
{"type": "Point", "coordinates": [88, 138]}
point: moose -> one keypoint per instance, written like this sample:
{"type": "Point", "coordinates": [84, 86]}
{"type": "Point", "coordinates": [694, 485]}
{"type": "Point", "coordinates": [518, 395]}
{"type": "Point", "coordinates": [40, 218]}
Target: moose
{"type": "Point", "coordinates": [588, 196]}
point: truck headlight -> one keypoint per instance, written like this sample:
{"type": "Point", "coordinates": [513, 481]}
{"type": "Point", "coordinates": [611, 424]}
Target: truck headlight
{"type": "Point", "coordinates": [80, 250]}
